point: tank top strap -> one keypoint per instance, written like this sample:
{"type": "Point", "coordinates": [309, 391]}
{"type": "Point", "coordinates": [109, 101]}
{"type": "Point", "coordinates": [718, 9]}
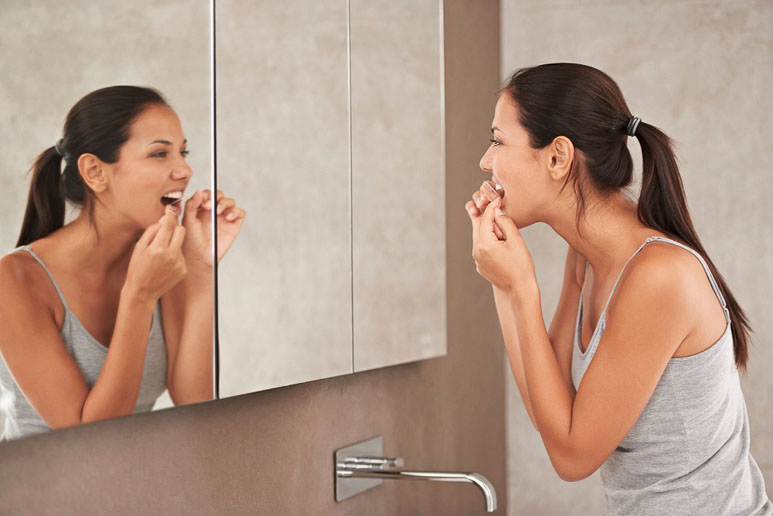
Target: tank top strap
{"type": "Point", "coordinates": [614, 287]}
{"type": "Point", "coordinates": [51, 276]}
{"type": "Point", "coordinates": [706, 268]}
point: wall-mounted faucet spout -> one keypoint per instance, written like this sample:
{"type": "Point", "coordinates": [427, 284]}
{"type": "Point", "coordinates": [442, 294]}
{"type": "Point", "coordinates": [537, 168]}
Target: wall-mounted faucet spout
{"type": "Point", "coordinates": [438, 476]}
{"type": "Point", "coordinates": [351, 463]}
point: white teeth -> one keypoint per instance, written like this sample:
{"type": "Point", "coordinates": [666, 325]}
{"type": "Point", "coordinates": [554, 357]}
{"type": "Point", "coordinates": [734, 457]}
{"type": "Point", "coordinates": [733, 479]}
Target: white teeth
{"type": "Point", "coordinates": [498, 186]}
{"type": "Point", "coordinates": [174, 195]}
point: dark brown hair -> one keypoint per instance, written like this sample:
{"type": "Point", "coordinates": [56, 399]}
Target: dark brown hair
{"type": "Point", "coordinates": [97, 124]}
{"type": "Point", "coordinates": [585, 105]}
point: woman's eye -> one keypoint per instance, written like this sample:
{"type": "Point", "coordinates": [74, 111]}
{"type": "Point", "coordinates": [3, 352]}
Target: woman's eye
{"type": "Point", "coordinates": [160, 154]}
{"type": "Point", "coordinates": [495, 142]}
{"type": "Point", "coordinates": [185, 153]}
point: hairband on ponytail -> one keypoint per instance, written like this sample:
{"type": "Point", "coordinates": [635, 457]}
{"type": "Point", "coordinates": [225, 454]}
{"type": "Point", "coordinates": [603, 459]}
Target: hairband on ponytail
{"type": "Point", "coordinates": [59, 147]}
{"type": "Point", "coordinates": [633, 123]}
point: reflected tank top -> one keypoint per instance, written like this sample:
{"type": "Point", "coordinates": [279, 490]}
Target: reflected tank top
{"type": "Point", "coordinates": [20, 416]}
{"type": "Point", "coordinates": [688, 452]}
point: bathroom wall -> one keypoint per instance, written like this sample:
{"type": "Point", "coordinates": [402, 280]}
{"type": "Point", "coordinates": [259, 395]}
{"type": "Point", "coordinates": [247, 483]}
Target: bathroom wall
{"type": "Point", "coordinates": [272, 452]}
{"type": "Point", "coordinates": [700, 70]}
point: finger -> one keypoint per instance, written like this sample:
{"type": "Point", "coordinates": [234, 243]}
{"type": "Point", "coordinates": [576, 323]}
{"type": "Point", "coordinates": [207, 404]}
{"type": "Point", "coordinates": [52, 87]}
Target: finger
{"type": "Point", "coordinates": [505, 223]}
{"type": "Point", "coordinates": [206, 195]}
{"type": "Point", "coordinates": [178, 235]}
{"type": "Point", "coordinates": [208, 200]}
{"type": "Point", "coordinates": [472, 210]}
{"type": "Point", "coordinates": [487, 221]}
{"type": "Point", "coordinates": [489, 191]}
{"type": "Point", "coordinates": [497, 230]}
{"type": "Point", "coordinates": [480, 201]}
{"type": "Point", "coordinates": [148, 235]}
{"type": "Point", "coordinates": [475, 230]}
{"type": "Point", "coordinates": [192, 206]}
{"type": "Point", "coordinates": [168, 223]}
{"type": "Point", "coordinates": [225, 204]}
{"type": "Point", "coordinates": [235, 214]}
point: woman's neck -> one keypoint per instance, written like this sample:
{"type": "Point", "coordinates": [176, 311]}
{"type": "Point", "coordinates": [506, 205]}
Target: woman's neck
{"type": "Point", "coordinates": [103, 250]}
{"type": "Point", "coordinates": [611, 233]}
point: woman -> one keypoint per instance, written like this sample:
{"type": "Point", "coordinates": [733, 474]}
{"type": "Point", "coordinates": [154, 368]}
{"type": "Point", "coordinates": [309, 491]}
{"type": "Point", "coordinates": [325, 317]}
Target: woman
{"type": "Point", "coordinates": [98, 317]}
{"type": "Point", "coordinates": [642, 382]}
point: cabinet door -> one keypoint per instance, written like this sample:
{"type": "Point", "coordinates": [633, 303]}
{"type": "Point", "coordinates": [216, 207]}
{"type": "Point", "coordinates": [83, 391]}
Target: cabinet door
{"type": "Point", "coordinates": [283, 154]}
{"type": "Point", "coordinates": [398, 181]}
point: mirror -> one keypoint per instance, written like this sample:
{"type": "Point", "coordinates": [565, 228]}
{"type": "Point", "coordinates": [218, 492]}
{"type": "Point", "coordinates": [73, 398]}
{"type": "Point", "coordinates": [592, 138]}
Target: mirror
{"type": "Point", "coordinates": [284, 291]}
{"type": "Point", "coordinates": [330, 129]}
{"type": "Point", "coordinates": [53, 54]}
{"type": "Point", "coordinates": [398, 182]}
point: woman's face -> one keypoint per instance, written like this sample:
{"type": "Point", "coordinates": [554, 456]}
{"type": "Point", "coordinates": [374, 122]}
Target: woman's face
{"type": "Point", "coordinates": [151, 169]}
{"type": "Point", "coordinates": [517, 167]}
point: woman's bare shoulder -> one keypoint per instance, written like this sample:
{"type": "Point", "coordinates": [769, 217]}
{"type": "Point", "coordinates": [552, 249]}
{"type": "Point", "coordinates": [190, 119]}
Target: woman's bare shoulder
{"type": "Point", "coordinates": [22, 276]}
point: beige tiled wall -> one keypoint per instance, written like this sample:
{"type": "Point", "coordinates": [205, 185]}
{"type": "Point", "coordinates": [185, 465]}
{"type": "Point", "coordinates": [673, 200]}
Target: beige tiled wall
{"type": "Point", "coordinates": [701, 70]}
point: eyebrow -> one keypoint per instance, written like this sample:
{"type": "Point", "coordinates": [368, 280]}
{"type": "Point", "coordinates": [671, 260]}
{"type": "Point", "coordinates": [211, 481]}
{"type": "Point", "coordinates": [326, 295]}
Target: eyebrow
{"type": "Point", "coordinates": [165, 142]}
{"type": "Point", "coordinates": [495, 128]}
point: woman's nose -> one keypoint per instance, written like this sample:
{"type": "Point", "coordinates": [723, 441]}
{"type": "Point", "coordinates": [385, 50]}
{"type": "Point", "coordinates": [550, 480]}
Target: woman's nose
{"type": "Point", "coordinates": [485, 163]}
{"type": "Point", "coordinates": [182, 170]}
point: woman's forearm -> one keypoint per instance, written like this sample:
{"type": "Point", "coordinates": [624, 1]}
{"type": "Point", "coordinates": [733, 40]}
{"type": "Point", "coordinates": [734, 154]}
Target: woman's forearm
{"type": "Point", "coordinates": [512, 347]}
{"type": "Point", "coordinates": [192, 370]}
{"type": "Point", "coordinates": [117, 387]}
{"type": "Point", "coordinates": [550, 396]}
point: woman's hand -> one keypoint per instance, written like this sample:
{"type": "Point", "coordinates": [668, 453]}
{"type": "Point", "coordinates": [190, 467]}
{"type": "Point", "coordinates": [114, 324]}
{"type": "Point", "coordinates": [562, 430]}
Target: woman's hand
{"type": "Point", "coordinates": [196, 219]}
{"type": "Point", "coordinates": [157, 263]}
{"type": "Point", "coordinates": [480, 199]}
{"type": "Point", "coordinates": [503, 260]}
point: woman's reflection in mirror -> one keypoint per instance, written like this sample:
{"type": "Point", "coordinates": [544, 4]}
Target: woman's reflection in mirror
{"type": "Point", "coordinates": [101, 315]}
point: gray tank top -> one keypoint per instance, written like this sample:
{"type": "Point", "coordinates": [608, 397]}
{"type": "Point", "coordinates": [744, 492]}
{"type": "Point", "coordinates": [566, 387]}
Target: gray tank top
{"type": "Point", "coordinates": [688, 452]}
{"type": "Point", "coordinates": [22, 419]}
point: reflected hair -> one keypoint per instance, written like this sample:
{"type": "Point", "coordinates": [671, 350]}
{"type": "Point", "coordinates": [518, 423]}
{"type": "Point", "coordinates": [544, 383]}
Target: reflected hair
{"type": "Point", "coordinates": [97, 124]}
{"type": "Point", "coordinates": [585, 105]}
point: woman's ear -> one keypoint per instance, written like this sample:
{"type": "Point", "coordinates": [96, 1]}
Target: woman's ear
{"type": "Point", "coordinates": [93, 171]}
{"type": "Point", "coordinates": [560, 157]}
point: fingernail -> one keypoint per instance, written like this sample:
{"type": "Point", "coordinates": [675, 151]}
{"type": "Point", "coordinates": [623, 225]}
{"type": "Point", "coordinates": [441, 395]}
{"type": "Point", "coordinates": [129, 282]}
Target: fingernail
{"type": "Point", "coordinates": [491, 193]}
{"type": "Point", "coordinates": [220, 209]}
{"type": "Point", "coordinates": [230, 216]}
{"type": "Point", "coordinates": [499, 211]}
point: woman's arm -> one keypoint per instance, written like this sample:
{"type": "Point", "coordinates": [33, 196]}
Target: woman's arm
{"type": "Point", "coordinates": [188, 312]}
{"type": "Point", "coordinates": [38, 359]}
{"type": "Point", "coordinates": [648, 318]}
{"type": "Point", "coordinates": [561, 333]}
{"type": "Point", "coordinates": [512, 347]}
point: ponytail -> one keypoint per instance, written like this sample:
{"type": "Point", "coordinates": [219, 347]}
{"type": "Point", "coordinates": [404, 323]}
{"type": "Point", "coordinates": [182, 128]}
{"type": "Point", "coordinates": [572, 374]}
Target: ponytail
{"type": "Point", "coordinates": [45, 203]}
{"type": "Point", "coordinates": [586, 105]}
{"type": "Point", "coordinates": [663, 206]}
{"type": "Point", "coordinates": [97, 124]}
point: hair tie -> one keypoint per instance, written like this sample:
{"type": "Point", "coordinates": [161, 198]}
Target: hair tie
{"type": "Point", "coordinates": [59, 147]}
{"type": "Point", "coordinates": [633, 123]}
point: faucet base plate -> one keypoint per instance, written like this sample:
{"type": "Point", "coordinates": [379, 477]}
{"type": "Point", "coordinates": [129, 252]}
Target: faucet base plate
{"type": "Point", "coordinates": [346, 487]}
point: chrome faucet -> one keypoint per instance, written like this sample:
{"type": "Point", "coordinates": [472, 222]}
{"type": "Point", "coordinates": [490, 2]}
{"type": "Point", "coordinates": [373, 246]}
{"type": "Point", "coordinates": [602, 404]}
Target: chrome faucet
{"type": "Point", "coordinates": [352, 464]}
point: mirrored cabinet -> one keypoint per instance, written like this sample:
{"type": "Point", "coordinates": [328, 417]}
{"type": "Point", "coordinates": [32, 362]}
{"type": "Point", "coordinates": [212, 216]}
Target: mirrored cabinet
{"type": "Point", "coordinates": [330, 135]}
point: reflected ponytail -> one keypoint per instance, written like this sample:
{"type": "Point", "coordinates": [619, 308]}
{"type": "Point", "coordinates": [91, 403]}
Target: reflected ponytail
{"type": "Point", "coordinates": [45, 202]}
{"type": "Point", "coordinates": [585, 105]}
{"type": "Point", "coordinates": [97, 124]}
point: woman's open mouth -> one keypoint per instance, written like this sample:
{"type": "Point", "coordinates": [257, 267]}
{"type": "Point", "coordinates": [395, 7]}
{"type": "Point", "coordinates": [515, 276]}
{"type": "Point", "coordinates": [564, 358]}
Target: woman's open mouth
{"type": "Point", "coordinates": [173, 199]}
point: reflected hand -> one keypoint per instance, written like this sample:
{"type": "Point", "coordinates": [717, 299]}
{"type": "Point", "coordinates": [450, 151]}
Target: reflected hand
{"type": "Point", "coordinates": [196, 219]}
